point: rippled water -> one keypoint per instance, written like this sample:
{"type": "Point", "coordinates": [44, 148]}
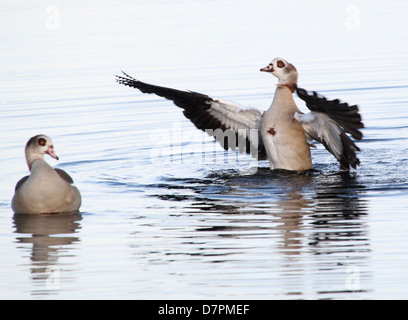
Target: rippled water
{"type": "Point", "coordinates": [166, 213]}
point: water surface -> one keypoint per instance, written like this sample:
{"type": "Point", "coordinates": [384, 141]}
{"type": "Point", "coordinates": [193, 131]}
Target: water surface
{"type": "Point", "coordinates": [166, 213]}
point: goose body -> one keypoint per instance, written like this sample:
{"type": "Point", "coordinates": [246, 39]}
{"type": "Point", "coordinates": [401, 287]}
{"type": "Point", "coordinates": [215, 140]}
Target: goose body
{"type": "Point", "coordinates": [45, 190]}
{"type": "Point", "coordinates": [282, 134]}
{"type": "Point", "coordinates": [284, 139]}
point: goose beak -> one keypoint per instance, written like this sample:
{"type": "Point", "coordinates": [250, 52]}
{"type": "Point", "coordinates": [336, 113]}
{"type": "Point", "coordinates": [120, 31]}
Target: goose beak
{"type": "Point", "coordinates": [51, 152]}
{"type": "Point", "coordinates": [268, 68]}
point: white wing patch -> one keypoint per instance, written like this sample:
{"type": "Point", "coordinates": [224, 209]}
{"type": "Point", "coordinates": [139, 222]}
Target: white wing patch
{"type": "Point", "coordinates": [234, 116]}
{"type": "Point", "coordinates": [243, 122]}
{"type": "Point", "coordinates": [320, 127]}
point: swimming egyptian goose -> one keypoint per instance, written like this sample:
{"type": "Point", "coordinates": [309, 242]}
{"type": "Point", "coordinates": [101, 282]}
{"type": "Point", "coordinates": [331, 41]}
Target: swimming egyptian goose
{"type": "Point", "coordinates": [45, 190]}
{"type": "Point", "coordinates": [282, 134]}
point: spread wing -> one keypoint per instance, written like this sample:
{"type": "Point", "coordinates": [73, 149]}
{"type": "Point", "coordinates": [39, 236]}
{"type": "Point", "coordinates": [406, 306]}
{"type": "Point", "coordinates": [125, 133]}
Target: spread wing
{"type": "Point", "coordinates": [329, 122]}
{"type": "Point", "coordinates": [233, 126]}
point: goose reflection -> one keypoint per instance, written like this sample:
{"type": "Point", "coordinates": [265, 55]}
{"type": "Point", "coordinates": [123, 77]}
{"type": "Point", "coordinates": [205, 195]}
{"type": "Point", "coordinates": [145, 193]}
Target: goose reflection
{"type": "Point", "coordinates": [315, 215]}
{"type": "Point", "coordinates": [327, 204]}
{"type": "Point", "coordinates": [50, 236]}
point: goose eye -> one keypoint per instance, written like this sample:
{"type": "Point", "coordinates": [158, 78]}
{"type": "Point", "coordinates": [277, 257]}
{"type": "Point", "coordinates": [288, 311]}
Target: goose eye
{"type": "Point", "coordinates": [280, 64]}
{"type": "Point", "coordinates": [42, 142]}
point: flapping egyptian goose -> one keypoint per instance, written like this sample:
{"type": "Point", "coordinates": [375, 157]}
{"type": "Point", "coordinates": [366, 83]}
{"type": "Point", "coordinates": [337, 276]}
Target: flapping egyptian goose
{"type": "Point", "coordinates": [45, 190]}
{"type": "Point", "coordinates": [282, 134]}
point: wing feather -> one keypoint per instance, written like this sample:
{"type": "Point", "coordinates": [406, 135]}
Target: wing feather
{"type": "Point", "coordinates": [345, 115]}
{"type": "Point", "coordinates": [230, 124]}
{"type": "Point", "coordinates": [64, 175]}
{"type": "Point", "coordinates": [20, 182]}
{"type": "Point", "coordinates": [329, 122]}
{"type": "Point", "coordinates": [322, 128]}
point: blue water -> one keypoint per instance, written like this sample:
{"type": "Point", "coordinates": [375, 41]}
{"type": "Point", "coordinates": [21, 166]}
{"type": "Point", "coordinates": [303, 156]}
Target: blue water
{"type": "Point", "coordinates": [166, 213]}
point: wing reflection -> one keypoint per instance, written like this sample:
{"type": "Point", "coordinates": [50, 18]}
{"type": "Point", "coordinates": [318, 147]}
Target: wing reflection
{"type": "Point", "coordinates": [311, 200]}
{"type": "Point", "coordinates": [314, 215]}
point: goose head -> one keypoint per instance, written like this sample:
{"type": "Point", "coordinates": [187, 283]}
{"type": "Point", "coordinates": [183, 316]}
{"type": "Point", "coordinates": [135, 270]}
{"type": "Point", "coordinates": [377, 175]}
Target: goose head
{"type": "Point", "coordinates": [37, 146]}
{"type": "Point", "coordinates": [284, 71]}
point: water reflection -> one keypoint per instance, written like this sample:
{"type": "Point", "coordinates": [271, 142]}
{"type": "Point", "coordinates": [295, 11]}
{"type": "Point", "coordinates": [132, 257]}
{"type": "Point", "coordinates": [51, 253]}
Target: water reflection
{"type": "Point", "coordinates": [51, 237]}
{"type": "Point", "coordinates": [314, 222]}
{"type": "Point", "coordinates": [329, 200]}
{"type": "Point", "coordinates": [337, 213]}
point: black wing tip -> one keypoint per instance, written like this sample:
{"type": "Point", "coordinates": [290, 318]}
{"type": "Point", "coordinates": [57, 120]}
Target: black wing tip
{"type": "Point", "coordinates": [125, 79]}
{"type": "Point", "coordinates": [346, 165]}
{"type": "Point", "coordinates": [127, 76]}
{"type": "Point", "coordinates": [346, 115]}
{"type": "Point", "coordinates": [195, 107]}
{"type": "Point", "coordinates": [320, 99]}
{"type": "Point", "coordinates": [348, 157]}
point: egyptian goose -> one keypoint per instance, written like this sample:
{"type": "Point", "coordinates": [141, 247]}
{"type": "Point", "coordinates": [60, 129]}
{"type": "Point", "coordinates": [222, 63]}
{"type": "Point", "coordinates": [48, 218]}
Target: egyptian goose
{"type": "Point", "coordinates": [282, 134]}
{"type": "Point", "coordinates": [45, 190]}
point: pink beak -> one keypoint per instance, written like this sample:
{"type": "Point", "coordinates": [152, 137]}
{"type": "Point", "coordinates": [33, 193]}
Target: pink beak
{"type": "Point", "coordinates": [50, 151]}
{"type": "Point", "coordinates": [268, 68]}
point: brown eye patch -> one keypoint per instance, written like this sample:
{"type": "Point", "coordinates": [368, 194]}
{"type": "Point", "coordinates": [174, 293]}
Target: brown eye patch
{"type": "Point", "coordinates": [280, 64]}
{"type": "Point", "coordinates": [42, 141]}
